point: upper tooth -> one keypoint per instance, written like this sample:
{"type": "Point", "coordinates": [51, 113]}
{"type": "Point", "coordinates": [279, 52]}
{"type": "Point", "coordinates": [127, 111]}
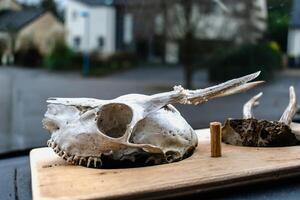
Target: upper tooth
{"type": "Point", "coordinates": [89, 161]}
{"type": "Point", "coordinates": [64, 155]}
{"type": "Point", "coordinates": [75, 158]}
{"type": "Point", "coordinates": [60, 153]}
{"type": "Point", "coordinates": [80, 161]}
{"type": "Point", "coordinates": [70, 159]}
{"type": "Point", "coordinates": [95, 162]}
{"type": "Point", "coordinates": [56, 149]}
{"type": "Point", "coordinates": [53, 145]}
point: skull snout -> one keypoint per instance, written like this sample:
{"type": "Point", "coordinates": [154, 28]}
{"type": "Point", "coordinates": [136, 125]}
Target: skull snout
{"type": "Point", "coordinates": [58, 116]}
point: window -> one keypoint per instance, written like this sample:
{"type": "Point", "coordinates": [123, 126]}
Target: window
{"type": "Point", "coordinates": [101, 42]}
{"type": "Point", "coordinates": [128, 28]}
{"type": "Point", "coordinates": [76, 42]}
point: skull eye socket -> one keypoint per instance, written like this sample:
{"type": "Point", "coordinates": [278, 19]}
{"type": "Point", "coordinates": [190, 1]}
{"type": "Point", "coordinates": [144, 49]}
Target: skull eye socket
{"type": "Point", "coordinates": [114, 118]}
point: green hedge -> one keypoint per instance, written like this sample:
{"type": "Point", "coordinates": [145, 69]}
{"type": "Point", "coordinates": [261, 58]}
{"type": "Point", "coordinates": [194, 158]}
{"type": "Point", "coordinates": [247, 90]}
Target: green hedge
{"type": "Point", "coordinates": [3, 46]}
{"type": "Point", "coordinates": [62, 58]}
{"type": "Point", "coordinates": [238, 61]}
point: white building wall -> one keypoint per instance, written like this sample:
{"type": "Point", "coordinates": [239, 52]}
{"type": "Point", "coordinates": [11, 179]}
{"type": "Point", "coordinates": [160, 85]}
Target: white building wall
{"type": "Point", "coordinates": [294, 42]}
{"type": "Point", "coordinates": [102, 24]}
{"type": "Point", "coordinates": [99, 22]}
{"type": "Point", "coordinates": [74, 23]}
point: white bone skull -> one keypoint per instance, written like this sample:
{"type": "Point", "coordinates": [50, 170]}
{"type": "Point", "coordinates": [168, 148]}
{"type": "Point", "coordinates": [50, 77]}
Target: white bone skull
{"type": "Point", "coordinates": [87, 131]}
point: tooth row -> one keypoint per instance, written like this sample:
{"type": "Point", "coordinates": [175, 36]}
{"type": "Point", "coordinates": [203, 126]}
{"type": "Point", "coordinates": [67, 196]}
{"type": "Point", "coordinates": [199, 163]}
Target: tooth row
{"type": "Point", "coordinates": [51, 144]}
{"type": "Point", "coordinates": [89, 161]}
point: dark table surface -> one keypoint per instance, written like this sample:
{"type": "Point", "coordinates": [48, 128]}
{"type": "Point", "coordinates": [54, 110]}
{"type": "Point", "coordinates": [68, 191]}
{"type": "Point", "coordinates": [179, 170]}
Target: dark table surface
{"type": "Point", "coordinates": [15, 183]}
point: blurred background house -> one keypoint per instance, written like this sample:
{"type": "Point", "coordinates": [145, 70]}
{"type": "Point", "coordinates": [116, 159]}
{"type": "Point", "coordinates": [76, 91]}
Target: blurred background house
{"type": "Point", "coordinates": [141, 27]}
{"type": "Point", "coordinates": [117, 34]}
{"type": "Point", "coordinates": [214, 21]}
{"type": "Point", "coordinates": [82, 33]}
{"type": "Point", "coordinates": [294, 36]}
{"type": "Point", "coordinates": [158, 30]}
{"type": "Point", "coordinates": [21, 28]}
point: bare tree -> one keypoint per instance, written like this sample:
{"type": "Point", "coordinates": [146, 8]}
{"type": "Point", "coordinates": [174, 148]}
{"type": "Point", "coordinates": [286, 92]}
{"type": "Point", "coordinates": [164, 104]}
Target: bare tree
{"type": "Point", "coordinates": [187, 21]}
{"type": "Point", "coordinates": [181, 24]}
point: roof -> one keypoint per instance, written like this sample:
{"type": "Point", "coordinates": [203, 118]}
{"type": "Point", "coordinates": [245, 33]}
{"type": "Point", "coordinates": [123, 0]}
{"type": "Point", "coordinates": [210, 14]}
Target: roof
{"type": "Point", "coordinates": [295, 15]}
{"type": "Point", "coordinates": [15, 20]}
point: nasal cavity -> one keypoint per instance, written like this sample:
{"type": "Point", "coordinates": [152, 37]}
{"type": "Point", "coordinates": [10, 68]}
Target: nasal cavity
{"type": "Point", "coordinates": [113, 119]}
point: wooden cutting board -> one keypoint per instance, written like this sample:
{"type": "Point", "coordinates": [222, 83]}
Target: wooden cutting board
{"type": "Point", "coordinates": [53, 178]}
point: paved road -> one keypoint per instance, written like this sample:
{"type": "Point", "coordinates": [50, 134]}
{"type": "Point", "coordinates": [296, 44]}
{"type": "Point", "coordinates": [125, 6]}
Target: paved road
{"type": "Point", "coordinates": [23, 93]}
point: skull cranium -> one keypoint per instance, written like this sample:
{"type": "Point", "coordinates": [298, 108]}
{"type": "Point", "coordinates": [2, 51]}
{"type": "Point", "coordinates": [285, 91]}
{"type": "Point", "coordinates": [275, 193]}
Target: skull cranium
{"type": "Point", "coordinates": [86, 131]}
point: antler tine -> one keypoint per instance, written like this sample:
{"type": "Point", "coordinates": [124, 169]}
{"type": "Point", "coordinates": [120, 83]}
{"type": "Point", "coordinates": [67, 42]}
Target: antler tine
{"type": "Point", "coordinates": [248, 106]}
{"type": "Point", "coordinates": [291, 109]}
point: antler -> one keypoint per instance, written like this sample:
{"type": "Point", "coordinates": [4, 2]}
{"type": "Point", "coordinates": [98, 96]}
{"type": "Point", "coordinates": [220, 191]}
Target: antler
{"type": "Point", "coordinates": [183, 96]}
{"type": "Point", "coordinates": [248, 106]}
{"type": "Point", "coordinates": [224, 89]}
{"type": "Point", "coordinates": [291, 109]}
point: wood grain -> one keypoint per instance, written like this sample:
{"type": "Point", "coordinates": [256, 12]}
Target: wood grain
{"type": "Point", "coordinates": [216, 139]}
{"type": "Point", "coordinates": [53, 178]}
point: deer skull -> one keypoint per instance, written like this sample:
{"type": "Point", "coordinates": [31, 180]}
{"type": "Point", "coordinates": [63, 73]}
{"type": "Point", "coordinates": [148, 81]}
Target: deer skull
{"type": "Point", "coordinates": [86, 131]}
{"type": "Point", "coordinates": [262, 133]}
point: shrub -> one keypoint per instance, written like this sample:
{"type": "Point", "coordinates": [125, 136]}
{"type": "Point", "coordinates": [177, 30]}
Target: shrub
{"type": "Point", "coordinates": [62, 58]}
{"type": "Point", "coordinates": [29, 56]}
{"type": "Point", "coordinates": [245, 59]}
{"type": "Point", "coordinates": [3, 46]}
{"type": "Point", "coordinates": [121, 60]}
{"type": "Point", "coordinates": [278, 22]}
{"type": "Point", "coordinates": [116, 62]}
{"type": "Point", "coordinates": [96, 60]}
{"type": "Point", "coordinates": [202, 51]}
